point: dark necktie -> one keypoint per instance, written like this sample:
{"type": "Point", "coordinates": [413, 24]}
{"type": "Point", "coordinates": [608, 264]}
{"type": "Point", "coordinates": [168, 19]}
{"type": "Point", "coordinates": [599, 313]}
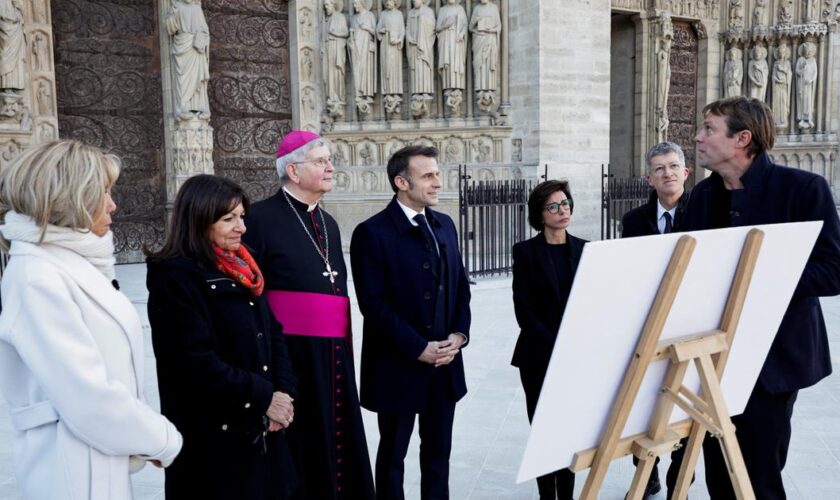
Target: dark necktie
{"type": "Point", "coordinates": [668, 226]}
{"type": "Point", "coordinates": [423, 224]}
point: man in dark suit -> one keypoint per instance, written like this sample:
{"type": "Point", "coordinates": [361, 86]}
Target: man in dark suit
{"type": "Point", "coordinates": [414, 296]}
{"type": "Point", "coordinates": [663, 213]}
{"type": "Point", "coordinates": [746, 188]}
{"type": "Point", "coordinates": [666, 174]}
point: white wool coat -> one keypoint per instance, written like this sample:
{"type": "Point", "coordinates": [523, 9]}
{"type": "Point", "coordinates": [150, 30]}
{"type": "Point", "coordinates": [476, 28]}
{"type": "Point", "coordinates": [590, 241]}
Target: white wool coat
{"type": "Point", "coordinates": [71, 371]}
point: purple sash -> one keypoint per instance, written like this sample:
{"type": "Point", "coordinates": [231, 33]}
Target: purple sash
{"type": "Point", "coordinates": [311, 314]}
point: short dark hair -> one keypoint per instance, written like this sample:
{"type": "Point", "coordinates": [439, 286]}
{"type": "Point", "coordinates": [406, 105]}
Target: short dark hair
{"type": "Point", "coordinates": [538, 197]}
{"type": "Point", "coordinates": [398, 164]}
{"type": "Point", "coordinates": [746, 113]}
{"type": "Point", "coordinates": [201, 201]}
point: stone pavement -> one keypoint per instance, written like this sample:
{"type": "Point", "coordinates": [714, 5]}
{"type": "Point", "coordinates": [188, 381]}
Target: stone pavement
{"type": "Point", "coordinates": [491, 427]}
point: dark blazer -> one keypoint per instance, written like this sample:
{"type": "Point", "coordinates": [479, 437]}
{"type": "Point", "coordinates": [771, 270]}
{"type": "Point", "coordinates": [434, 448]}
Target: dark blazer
{"type": "Point", "coordinates": [642, 221]}
{"type": "Point", "coordinates": [536, 299]}
{"type": "Point", "coordinates": [396, 289]}
{"type": "Point", "coordinates": [799, 355]}
{"type": "Point", "coordinates": [220, 355]}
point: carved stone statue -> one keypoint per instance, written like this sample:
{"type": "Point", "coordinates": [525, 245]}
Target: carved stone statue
{"type": "Point", "coordinates": [736, 14]}
{"type": "Point", "coordinates": [759, 12]}
{"type": "Point", "coordinates": [363, 54]}
{"type": "Point", "coordinates": [663, 75]}
{"type": "Point", "coordinates": [733, 72]}
{"type": "Point", "coordinates": [12, 46]}
{"type": "Point", "coordinates": [485, 26]}
{"type": "Point", "coordinates": [391, 34]}
{"type": "Point", "coordinates": [757, 72]}
{"type": "Point", "coordinates": [786, 12]}
{"type": "Point", "coordinates": [451, 31]}
{"type": "Point", "coordinates": [806, 83]}
{"type": "Point", "coordinates": [190, 41]}
{"type": "Point", "coordinates": [335, 57]}
{"type": "Point", "coordinates": [44, 98]}
{"type": "Point", "coordinates": [782, 78]}
{"type": "Point", "coordinates": [420, 40]}
{"type": "Point", "coordinates": [40, 54]}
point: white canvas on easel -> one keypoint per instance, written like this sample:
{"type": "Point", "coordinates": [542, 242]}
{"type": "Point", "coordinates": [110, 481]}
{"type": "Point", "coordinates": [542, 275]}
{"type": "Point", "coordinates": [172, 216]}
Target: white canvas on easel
{"type": "Point", "coordinates": [614, 287]}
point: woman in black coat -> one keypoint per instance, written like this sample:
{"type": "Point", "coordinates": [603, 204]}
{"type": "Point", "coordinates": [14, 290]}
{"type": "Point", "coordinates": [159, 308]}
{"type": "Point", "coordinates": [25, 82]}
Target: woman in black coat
{"type": "Point", "coordinates": [543, 269]}
{"type": "Point", "coordinates": [223, 370]}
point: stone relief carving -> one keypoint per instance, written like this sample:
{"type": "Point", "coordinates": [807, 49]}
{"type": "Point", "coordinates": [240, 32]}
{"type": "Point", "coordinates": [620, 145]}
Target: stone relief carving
{"type": "Point", "coordinates": [482, 150]}
{"type": "Point", "coordinates": [307, 104]}
{"type": "Point", "coordinates": [760, 13]}
{"type": "Point", "coordinates": [452, 151]}
{"type": "Point", "coordinates": [45, 131]}
{"type": "Point", "coordinates": [485, 174]}
{"type": "Point", "coordinates": [44, 98]}
{"type": "Point", "coordinates": [306, 24]}
{"type": "Point", "coordinates": [391, 34]}
{"type": "Point", "coordinates": [758, 72]}
{"type": "Point", "coordinates": [367, 154]}
{"type": "Point", "coordinates": [662, 80]}
{"type": "Point", "coordinates": [342, 182]}
{"type": "Point", "coordinates": [190, 42]}
{"type": "Point", "coordinates": [392, 147]}
{"type": "Point", "coordinates": [812, 11]}
{"type": "Point", "coordinates": [40, 52]}
{"type": "Point", "coordinates": [306, 65]}
{"type": "Point", "coordinates": [785, 12]}
{"type": "Point", "coordinates": [420, 40]}
{"type": "Point", "coordinates": [736, 14]}
{"type": "Point", "coordinates": [334, 57]}
{"type": "Point", "coordinates": [369, 181]}
{"type": "Point", "coordinates": [516, 145]}
{"type": "Point", "coordinates": [782, 78]}
{"type": "Point", "coordinates": [733, 72]}
{"type": "Point", "coordinates": [363, 55]}
{"type": "Point", "coordinates": [806, 82]}
{"type": "Point", "coordinates": [340, 154]}
{"type": "Point", "coordinates": [485, 26]}
{"type": "Point", "coordinates": [13, 75]}
{"type": "Point", "coordinates": [451, 32]}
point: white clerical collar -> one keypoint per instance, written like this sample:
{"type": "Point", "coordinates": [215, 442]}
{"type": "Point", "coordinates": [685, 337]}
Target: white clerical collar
{"type": "Point", "coordinates": [309, 207]}
{"type": "Point", "coordinates": [410, 212]}
{"type": "Point", "coordinates": [660, 210]}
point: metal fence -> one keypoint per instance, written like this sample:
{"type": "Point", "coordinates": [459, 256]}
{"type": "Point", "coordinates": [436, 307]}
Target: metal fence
{"type": "Point", "coordinates": [492, 217]}
{"type": "Point", "coordinates": [618, 195]}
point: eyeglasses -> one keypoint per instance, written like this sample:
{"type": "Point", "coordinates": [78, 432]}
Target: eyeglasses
{"type": "Point", "coordinates": [553, 208]}
{"type": "Point", "coordinates": [669, 169]}
{"type": "Point", "coordinates": [320, 162]}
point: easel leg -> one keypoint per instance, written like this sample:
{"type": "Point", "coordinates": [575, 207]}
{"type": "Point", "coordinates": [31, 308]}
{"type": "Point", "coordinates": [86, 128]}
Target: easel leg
{"type": "Point", "coordinates": [689, 463]}
{"type": "Point", "coordinates": [640, 479]}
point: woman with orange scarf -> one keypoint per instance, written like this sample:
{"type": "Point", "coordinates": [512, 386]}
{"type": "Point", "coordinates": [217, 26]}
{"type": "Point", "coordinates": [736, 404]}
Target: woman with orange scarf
{"type": "Point", "coordinates": [223, 370]}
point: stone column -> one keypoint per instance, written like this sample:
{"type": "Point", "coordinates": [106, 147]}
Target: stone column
{"type": "Point", "coordinates": [188, 136]}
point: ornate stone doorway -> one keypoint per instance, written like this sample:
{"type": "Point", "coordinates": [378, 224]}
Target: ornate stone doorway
{"type": "Point", "coordinates": [107, 67]}
{"type": "Point", "coordinates": [250, 89]}
{"type": "Point", "coordinates": [682, 98]}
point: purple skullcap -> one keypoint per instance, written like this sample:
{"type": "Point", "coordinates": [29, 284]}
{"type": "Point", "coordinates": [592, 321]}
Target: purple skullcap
{"type": "Point", "coordinates": [294, 140]}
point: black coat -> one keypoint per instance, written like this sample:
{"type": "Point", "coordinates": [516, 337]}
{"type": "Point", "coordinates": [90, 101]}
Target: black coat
{"type": "Point", "coordinates": [537, 299]}
{"type": "Point", "coordinates": [642, 221]}
{"type": "Point", "coordinates": [220, 356]}
{"type": "Point", "coordinates": [396, 288]}
{"type": "Point", "coordinates": [799, 354]}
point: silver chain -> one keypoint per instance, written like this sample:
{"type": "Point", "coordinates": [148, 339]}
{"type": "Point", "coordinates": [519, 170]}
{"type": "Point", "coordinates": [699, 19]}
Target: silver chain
{"type": "Point", "coordinates": [326, 255]}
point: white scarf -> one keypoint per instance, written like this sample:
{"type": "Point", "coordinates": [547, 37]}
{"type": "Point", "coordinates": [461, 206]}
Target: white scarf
{"type": "Point", "coordinates": [99, 251]}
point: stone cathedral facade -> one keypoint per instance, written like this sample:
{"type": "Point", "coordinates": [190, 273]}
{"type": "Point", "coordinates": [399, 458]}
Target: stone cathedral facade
{"type": "Point", "coordinates": [509, 88]}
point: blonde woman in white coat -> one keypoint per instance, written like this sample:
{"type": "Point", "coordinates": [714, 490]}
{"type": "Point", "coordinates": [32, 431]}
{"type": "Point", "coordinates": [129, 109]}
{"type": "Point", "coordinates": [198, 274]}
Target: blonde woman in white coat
{"type": "Point", "coordinates": [71, 347]}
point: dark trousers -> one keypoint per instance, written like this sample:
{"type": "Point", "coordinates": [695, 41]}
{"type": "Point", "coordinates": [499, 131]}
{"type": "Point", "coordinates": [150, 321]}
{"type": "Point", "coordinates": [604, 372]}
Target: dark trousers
{"type": "Point", "coordinates": [763, 432]}
{"type": "Point", "coordinates": [435, 445]}
{"type": "Point", "coordinates": [559, 484]}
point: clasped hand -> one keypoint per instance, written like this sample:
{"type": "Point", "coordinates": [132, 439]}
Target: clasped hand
{"type": "Point", "coordinates": [280, 412]}
{"type": "Point", "coordinates": [442, 352]}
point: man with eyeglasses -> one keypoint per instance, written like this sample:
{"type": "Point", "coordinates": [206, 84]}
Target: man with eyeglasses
{"type": "Point", "coordinates": [298, 247]}
{"type": "Point", "coordinates": [746, 188]}
{"type": "Point", "coordinates": [666, 174]}
{"type": "Point", "coordinates": [663, 213]}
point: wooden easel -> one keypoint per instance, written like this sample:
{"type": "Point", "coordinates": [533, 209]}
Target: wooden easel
{"type": "Point", "coordinates": [709, 352]}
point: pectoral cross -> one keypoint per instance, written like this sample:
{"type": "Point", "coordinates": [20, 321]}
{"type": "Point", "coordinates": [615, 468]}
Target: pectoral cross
{"type": "Point", "coordinates": [330, 273]}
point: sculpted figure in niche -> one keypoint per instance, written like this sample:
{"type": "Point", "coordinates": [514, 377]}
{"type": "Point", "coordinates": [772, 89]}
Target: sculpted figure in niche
{"type": "Point", "coordinates": [806, 83]}
{"type": "Point", "coordinates": [12, 46]}
{"type": "Point", "coordinates": [733, 72]}
{"type": "Point", "coordinates": [663, 81]}
{"type": "Point", "coordinates": [391, 34]}
{"type": "Point", "coordinates": [363, 54]}
{"type": "Point", "coordinates": [786, 12]}
{"type": "Point", "coordinates": [335, 57]}
{"type": "Point", "coordinates": [485, 26]}
{"type": "Point", "coordinates": [39, 14]}
{"type": "Point", "coordinates": [452, 52]}
{"type": "Point", "coordinates": [186, 24]}
{"type": "Point", "coordinates": [420, 40]}
{"type": "Point", "coordinates": [44, 98]}
{"type": "Point", "coordinates": [758, 12]}
{"type": "Point", "coordinates": [736, 14]}
{"type": "Point", "coordinates": [39, 52]}
{"type": "Point", "coordinates": [782, 78]}
{"type": "Point", "coordinates": [757, 72]}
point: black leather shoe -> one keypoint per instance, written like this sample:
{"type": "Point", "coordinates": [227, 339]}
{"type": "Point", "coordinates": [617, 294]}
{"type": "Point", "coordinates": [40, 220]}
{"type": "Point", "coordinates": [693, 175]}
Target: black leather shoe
{"type": "Point", "coordinates": [653, 487]}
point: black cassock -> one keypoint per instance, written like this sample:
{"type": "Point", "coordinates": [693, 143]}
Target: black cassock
{"type": "Point", "coordinates": [327, 437]}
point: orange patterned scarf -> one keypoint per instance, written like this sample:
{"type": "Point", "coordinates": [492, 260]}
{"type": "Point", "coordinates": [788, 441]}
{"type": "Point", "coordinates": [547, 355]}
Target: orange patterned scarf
{"type": "Point", "coordinates": [240, 266]}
